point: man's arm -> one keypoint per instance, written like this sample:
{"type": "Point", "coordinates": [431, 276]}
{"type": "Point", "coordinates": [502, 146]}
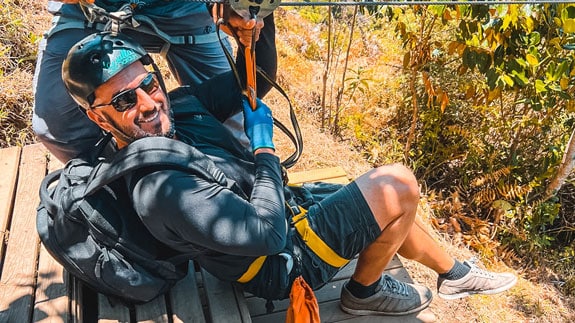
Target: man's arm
{"type": "Point", "coordinates": [185, 211]}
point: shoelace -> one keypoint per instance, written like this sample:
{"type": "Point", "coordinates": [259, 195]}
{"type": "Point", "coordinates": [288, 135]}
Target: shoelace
{"type": "Point", "coordinates": [472, 263]}
{"type": "Point", "coordinates": [395, 286]}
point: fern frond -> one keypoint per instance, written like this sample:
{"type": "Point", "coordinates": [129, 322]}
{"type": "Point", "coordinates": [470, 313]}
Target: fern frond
{"type": "Point", "coordinates": [513, 191]}
{"type": "Point", "coordinates": [491, 177]}
{"type": "Point", "coordinates": [485, 196]}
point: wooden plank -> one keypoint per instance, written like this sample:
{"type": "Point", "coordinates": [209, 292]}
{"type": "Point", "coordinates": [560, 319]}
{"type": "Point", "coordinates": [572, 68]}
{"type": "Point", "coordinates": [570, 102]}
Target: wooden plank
{"type": "Point", "coordinates": [329, 175]}
{"type": "Point", "coordinates": [52, 303]}
{"type": "Point", "coordinates": [154, 311]}
{"type": "Point", "coordinates": [9, 158]}
{"type": "Point", "coordinates": [76, 300]}
{"type": "Point", "coordinates": [225, 302]}
{"type": "Point", "coordinates": [19, 269]}
{"type": "Point", "coordinates": [108, 313]}
{"type": "Point", "coordinates": [185, 300]}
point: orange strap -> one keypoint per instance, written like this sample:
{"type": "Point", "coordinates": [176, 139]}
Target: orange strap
{"type": "Point", "coordinates": [303, 307]}
{"type": "Point", "coordinates": [250, 90]}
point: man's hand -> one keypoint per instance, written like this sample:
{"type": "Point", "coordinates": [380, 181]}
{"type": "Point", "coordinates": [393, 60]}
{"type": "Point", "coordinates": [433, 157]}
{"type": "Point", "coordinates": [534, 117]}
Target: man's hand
{"type": "Point", "coordinates": [242, 27]}
{"type": "Point", "coordinates": [258, 125]}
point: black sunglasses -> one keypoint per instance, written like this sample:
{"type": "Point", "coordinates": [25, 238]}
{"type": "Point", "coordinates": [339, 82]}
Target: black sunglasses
{"type": "Point", "coordinates": [127, 99]}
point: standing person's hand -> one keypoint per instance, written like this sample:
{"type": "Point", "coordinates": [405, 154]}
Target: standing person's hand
{"type": "Point", "coordinates": [238, 25]}
{"type": "Point", "coordinates": [258, 125]}
{"type": "Point", "coordinates": [77, 1]}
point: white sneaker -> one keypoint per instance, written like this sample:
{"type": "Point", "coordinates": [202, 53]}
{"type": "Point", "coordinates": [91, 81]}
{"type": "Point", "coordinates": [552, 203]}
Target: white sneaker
{"type": "Point", "coordinates": [477, 281]}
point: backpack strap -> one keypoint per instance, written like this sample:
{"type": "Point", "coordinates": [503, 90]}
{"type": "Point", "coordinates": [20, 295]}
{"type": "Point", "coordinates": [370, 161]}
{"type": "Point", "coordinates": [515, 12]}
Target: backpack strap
{"type": "Point", "coordinates": [45, 194]}
{"type": "Point", "coordinates": [158, 151]}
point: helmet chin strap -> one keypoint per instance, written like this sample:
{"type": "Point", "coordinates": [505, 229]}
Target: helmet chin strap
{"type": "Point", "coordinates": [119, 134]}
{"type": "Point", "coordinates": [161, 80]}
{"type": "Point", "coordinates": [172, 132]}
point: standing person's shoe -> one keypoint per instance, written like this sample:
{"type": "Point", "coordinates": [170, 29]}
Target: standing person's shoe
{"type": "Point", "coordinates": [392, 298]}
{"type": "Point", "coordinates": [477, 281]}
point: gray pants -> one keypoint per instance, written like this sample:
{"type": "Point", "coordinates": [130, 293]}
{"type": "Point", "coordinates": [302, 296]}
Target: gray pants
{"type": "Point", "coordinates": [58, 121]}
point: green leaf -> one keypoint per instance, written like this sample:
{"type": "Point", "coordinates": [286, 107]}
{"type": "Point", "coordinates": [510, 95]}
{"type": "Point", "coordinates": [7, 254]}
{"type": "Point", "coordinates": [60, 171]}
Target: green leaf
{"type": "Point", "coordinates": [520, 77]}
{"type": "Point", "coordinates": [561, 69]}
{"type": "Point", "coordinates": [508, 80]}
{"type": "Point", "coordinates": [550, 71]}
{"type": "Point", "coordinates": [499, 55]}
{"type": "Point", "coordinates": [555, 87]}
{"type": "Point", "coordinates": [492, 78]}
{"type": "Point", "coordinates": [540, 86]}
{"type": "Point", "coordinates": [436, 10]}
{"type": "Point", "coordinates": [534, 38]}
{"type": "Point", "coordinates": [568, 12]}
{"type": "Point", "coordinates": [483, 62]}
{"type": "Point", "coordinates": [568, 19]}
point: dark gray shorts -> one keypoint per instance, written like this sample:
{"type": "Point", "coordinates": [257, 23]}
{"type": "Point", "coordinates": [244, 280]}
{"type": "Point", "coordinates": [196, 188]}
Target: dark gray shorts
{"type": "Point", "coordinates": [344, 221]}
{"type": "Point", "coordinates": [340, 217]}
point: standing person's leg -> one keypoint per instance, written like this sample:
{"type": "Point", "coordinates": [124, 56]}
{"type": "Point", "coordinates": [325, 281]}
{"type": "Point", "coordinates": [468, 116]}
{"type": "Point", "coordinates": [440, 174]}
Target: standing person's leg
{"type": "Point", "coordinates": [57, 120]}
{"type": "Point", "coordinates": [192, 64]}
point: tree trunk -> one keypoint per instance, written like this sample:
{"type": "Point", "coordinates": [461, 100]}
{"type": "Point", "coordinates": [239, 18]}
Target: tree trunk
{"type": "Point", "coordinates": [563, 171]}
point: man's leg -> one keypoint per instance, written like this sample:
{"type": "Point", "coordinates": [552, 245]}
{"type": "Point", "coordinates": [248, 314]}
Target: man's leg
{"type": "Point", "coordinates": [402, 233]}
{"type": "Point", "coordinates": [455, 279]}
{"type": "Point", "coordinates": [392, 194]}
{"type": "Point", "coordinates": [421, 247]}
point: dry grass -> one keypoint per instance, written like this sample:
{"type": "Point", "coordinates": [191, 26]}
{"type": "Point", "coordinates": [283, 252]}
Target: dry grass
{"type": "Point", "coordinates": [21, 26]}
{"type": "Point", "coordinates": [533, 299]}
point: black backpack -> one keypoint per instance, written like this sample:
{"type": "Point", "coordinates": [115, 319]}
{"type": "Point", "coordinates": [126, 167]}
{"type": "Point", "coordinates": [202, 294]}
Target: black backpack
{"type": "Point", "coordinates": [87, 223]}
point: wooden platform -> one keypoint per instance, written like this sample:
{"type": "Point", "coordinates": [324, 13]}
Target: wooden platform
{"type": "Point", "coordinates": [35, 288]}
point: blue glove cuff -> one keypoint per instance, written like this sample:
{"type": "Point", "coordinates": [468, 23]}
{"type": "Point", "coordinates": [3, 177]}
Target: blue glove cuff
{"type": "Point", "coordinates": [261, 136]}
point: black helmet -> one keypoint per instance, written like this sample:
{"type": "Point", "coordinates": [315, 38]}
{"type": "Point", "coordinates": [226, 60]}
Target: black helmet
{"type": "Point", "coordinates": [95, 59]}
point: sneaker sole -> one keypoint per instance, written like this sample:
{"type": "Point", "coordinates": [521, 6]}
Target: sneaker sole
{"type": "Point", "coordinates": [371, 312]}
{"type": "Point", "coordinates": [485, 292]}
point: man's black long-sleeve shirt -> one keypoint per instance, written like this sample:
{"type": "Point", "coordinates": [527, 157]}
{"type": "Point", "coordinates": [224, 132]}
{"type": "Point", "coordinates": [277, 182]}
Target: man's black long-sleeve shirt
{"type": "Point", "coordinates": [222, 230]}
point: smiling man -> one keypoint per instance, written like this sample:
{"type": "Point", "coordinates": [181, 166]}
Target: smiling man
{"type": "Point", "coordinates": [256, 231]}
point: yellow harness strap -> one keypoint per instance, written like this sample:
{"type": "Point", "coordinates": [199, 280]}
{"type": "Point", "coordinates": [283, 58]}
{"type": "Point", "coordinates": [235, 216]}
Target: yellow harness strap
{"type": "Point", "coordinates": [311, 239]}
{"type": "Point", "coordinates": [314, 242]}
{"type": "Point", "coordinates": [253, 269]}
